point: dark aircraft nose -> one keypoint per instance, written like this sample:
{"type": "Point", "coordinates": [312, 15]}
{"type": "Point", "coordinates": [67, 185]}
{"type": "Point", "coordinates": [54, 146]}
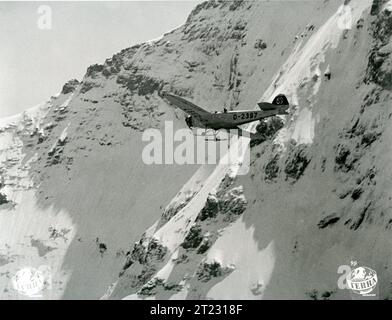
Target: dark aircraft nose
{"type": "Point", "coordinates": [162, 94]}
{"type": "Point", "coordinates": [188, 121]}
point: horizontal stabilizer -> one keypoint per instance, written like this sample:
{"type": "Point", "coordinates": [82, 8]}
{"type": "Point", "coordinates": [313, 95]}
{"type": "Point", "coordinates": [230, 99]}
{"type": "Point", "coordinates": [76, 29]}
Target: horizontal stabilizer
{"type": "Point", "coordinates": [266, 106]}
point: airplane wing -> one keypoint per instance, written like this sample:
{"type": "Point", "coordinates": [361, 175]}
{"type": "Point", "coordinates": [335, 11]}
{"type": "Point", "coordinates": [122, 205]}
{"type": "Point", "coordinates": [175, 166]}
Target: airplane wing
{"type": "Point", "coordinates": [186, 106]}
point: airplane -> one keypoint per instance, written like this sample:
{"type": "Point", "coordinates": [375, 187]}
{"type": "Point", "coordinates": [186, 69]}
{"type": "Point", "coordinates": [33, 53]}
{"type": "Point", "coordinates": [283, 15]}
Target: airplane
{"type": "Point", "coordinates": [199, 118]}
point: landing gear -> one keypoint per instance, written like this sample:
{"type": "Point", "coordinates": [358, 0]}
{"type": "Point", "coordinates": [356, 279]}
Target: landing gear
{"type": "Point", "coordinates": [208, 134]}
{"type": "Point", "coordinates": [214, 136]}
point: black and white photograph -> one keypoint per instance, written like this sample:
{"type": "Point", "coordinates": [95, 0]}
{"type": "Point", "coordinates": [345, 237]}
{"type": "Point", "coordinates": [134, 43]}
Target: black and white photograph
{"type": "Point", "coordinates": [196, 150]}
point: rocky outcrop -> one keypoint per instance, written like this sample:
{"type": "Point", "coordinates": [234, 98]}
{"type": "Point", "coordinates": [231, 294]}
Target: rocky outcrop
{"type": "Point", "coordinates": [266, 130]}
{"type": "Point", "coordinates": [377, 6]}
{"type": "Point", "coordinates": [231, 203]}
{"type": "Point", "coordinates": [330, 220]}
{"type": "Point", "coordinates": [318, 184]}
{"type": "Point", "coordinates": [3, 199]}
{"type": "Point", "coordinates": [271, 169]}
{"type": "Point", "coordinates": [210, 270]}
{"type": "Point", "coordinates": [210, 209]}
{"type": "Point", "coordinates": [380, 60]}
{"type": "Point", "coordinates": [297, 162]}
{"type": "Point", "coordinates": [70, 86]}
{"type": "Point", "coordinates": [148, 255]}
{"type": "Point", "coordinates": [193, 238]}
{"type": "Point", "coordinates": [260, 45]}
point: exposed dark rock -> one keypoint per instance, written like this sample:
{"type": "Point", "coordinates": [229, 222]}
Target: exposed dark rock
{"type": "Point", "coordinates": [327, 294]}
{"type": "Point", "coordinates": [313, 294]}
{"type": "Point", "coordinates": [342, 159]}
{"type": "Point", "coordinates": [354, 225]}
{"type": "Point", "coordinates": [266, 130]}
{"type": "Point", "coordinates": [183, 258]}
{"type": "Point", "coordinates": [150, 288]}
{"type": "Point", "coordinates": [271, 169]}
{"type": "Point", "coordinates": [147, 251]}
{"type": "Point", "coordinates": [297, 162]}
{"type": "Point", "coordinates": [138, 254]}
{"type": "Point", "coordinates": [42, 248]}
{"type": "Point", "coordinates": [369, 137]}
{"type": "Point", "coordinates": [260, 45]}
{"type": "Point", "coordinates": [207, 271]}
{"type": "Point", "coordinates": [41, 138]}
{"type": "Point", "coordinates": [328, 74]}
{"type": "Point", "coordinates": [240, 25]}
{"type": "Point", "coordinates": [233, 204]}
{"type": "Point", "coordinates": [176, 207]}
{"type": "Point", "coordinates": [55, 234]}
{"type": "Point", "coordinates": [239, 31]}
{"type": "Point", "coordinates": [356, 193]}
{"type": "Point", "coordinates": [193, 238]}
{"type": "Point", "coordinates": [172, 287]}
{"type": "Point", "coordinates": [191, 65]}
{"type": "Point", "coordinates": [202, 6]}
{"type": "Point", "coordinates": [344, 193]}
{"type": "Point", "coordinates": [113, 65]}
{"type": "Point", "coordinates": [101, 246]}
{"type": "Point", "coordinates": [236, 4]}
{"type": "Point", "coordinates": [87, 86]}
{"type": "Point", "coordinates": [55, 156]}
{"type": "Point", "coordinates": [210, 210]}
{"type": "Point", "coordinates": [140, 83]}
{"type": "Point", "coordinates": [376, 6]}
{"type": "Point", "coordinates": [379, 68]}
{"type": "Point", "coordinates": [225, 184]}
{"type": "Point", "coordinates": [70, 86]}
{"type": "Point", "coordinates": [229, 202]}
{"type": "Point", "coordinates": [3, 199]}
{"type": "Point", "coordinates": [323, 164]}
{"type": "Point", "coordinates": [233, 71]}
{"type": "Point", "coordinates": [316, 295]}
{"type": "Point", "coordinates": [5, 259]}
{"type": "Point", "coordinates": [360, 23]}
{"type": "Point", "coordinates": [328, 221]}
{"type": "Point", "coordinates": [205, 245]}
{"type": "Point", "coordinates": [94, 69]}
{"type": "Point", "coordinates": [155, 251]}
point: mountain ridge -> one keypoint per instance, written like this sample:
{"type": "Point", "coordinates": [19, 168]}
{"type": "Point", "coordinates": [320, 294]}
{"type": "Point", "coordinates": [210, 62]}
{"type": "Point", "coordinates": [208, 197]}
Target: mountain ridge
{"type": "Point", "coordinates": [261, 235]}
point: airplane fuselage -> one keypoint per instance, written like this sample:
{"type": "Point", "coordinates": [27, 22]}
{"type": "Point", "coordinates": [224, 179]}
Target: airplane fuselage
{"type": "Point", "coordinates": [233, 119]}
{"type": "Point", "coordinates": [200, 118]}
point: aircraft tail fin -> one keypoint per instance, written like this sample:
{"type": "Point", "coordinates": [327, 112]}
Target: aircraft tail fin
{"type": "Point", "coordinates": [280, 100]}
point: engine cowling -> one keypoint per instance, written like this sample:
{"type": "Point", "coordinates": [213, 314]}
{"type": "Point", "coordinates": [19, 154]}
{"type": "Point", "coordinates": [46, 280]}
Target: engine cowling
{"type": "Point", "coordinates": [189, 122]}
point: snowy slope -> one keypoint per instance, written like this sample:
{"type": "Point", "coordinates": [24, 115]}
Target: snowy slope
{"type": "Point", "coordinates": [79, 198]}
{"type": "Point", "coordinates": [304, 217]}
{"type": "Point", "coordinates": [84, 161]}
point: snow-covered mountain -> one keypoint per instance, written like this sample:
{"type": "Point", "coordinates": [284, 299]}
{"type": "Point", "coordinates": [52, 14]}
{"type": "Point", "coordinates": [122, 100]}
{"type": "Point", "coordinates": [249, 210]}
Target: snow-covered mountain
{"type": "Point", "coordinates": [77, 197]}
